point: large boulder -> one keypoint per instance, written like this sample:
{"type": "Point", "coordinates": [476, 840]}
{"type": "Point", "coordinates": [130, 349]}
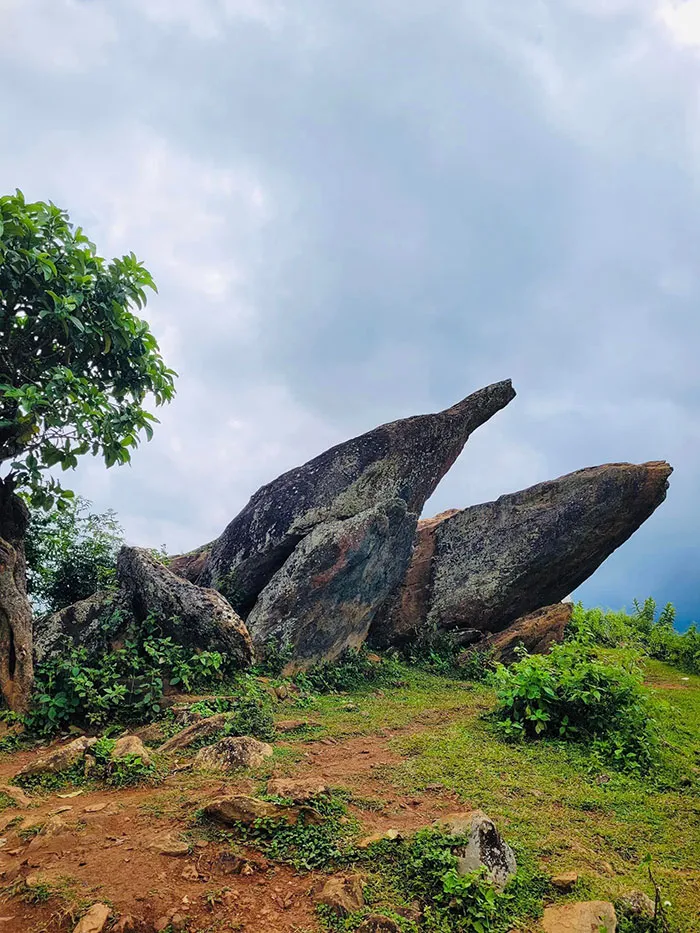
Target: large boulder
{"type": "Point", "coordinates": [492, 563]}
{"type": "Point", "coordinates": [191, 615]}
{"type": "Point", "coordinates": [536, 633]}
{"type": "Point", "coordinates": [405, 459]}
{"type": "Point", "coordinates": [326, 595]}
{"type": "Point", "coordinates": [83, 624]}
{"type": "Point", "coordinates": [234, 753]}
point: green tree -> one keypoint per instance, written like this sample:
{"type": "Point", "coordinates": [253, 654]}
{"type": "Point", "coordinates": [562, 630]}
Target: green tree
{"type": "Point", "coordinates": [71, 554]}
{"type": "Point", "coordinates": [77, 367]}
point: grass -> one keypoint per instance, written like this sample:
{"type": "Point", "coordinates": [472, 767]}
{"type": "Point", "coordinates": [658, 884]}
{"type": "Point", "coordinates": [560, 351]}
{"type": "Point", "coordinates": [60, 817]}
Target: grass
{"type": "Point", "coordinates": [559, 805]}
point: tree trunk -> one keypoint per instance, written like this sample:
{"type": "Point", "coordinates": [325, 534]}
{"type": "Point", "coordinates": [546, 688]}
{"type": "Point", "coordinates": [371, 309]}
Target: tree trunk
{"type": "Point", "coordinates": [16, 663]}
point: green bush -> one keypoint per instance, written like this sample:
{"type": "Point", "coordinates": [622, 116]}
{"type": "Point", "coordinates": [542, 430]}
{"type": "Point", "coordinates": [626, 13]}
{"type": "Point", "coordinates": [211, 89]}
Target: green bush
{"type": "Point", "coordinates": [570, 694]}
{"type": "Point", "coordinates": [124, 685]}
{"type": "Point", "coordinates": [250, 711]}
{"type": "Point", "coordinates": [353, 670]}
{"type": "Point", "coordinates": [643, 629]}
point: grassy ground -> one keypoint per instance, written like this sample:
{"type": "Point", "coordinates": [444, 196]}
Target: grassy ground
{"type": "Point", "coordinates": [556, 803]}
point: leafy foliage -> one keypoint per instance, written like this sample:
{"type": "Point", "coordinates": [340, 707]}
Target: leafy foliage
{"type": "Point", "coordinates": [644, 629]}
{"type": "Point", "coordinates": [570, 694]}
{"type": "Point", "coordinates": [76, 363]}
{"type": "Point", "coordinates": [353, 670]}
{"type": "Point", "coordinates": [71, 554]}
{"type": "Point", "coordinates": [120, 772]}
{"type": "Point", "coordinates": [123, 685]}
{"type": "Point", "coordinates": [250, 712]}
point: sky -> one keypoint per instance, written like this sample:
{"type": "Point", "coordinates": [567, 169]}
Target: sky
{"type": "Point", "coordinates": [365, 210]}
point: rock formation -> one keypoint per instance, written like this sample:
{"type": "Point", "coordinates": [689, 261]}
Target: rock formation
{"type": "Point", "coordinates": [327, 593]}
{"type": "Point", "coordinates": [405, 459]}
{"type": "Point", "coordinates": [536, 632]}
{"type": "Point", "coordinates": [495, 562]}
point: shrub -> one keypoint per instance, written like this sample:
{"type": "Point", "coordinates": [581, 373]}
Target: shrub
{"type": "Point", "coordinates": [569, 694]}
{"type": "Point", "coordinates": [124, 685]}
{"type": "Point", "coordinates": [353, 670]}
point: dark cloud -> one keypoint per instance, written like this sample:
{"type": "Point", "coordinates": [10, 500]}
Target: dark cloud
{"type": "Point", "coordinates": [361, 211]}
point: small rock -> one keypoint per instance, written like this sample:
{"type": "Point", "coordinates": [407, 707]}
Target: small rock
{"type": "Point", "coordinates": [194, 733]}
{"type": "Point", "coordinates": [565, 881]}
{"type": "Point", "coordinates": [127, 924]}
{"type": "Point", "coordinates": [389, 834]}
{"type": "Point", "coordinates": [584, 917]}
{"type": "Point", "coordinates": [300, 790]}
{"type": "Point", "coordinates": [190, 873]}
{"type": "Point", "coordinates": [95, 808]}
{"type": "Point", "coordinates": [484, 846]}
{"type": "Point", "coordinates": [131, 745]}
{"type": "Point", "coordinates": [378, 924]}
{"type": "Point", "coordinates": [233, 754]}
{"type": "Point", "coordinates": [294, 725]}
{"type": "Point", "coordinates": [60, 759]}
{"type": "Point", "coordinates": [95, 920]}
{"type": "Point", "coordinates": [169, 846]}
{"type": "Point", "coordinates": [15, 794]}
{"type": "Point", "coordinates": [637, 904]}
{"type": "Point", "coordinates": [342, 893]}
{"type": "Point", "coordinates": [237, 808]}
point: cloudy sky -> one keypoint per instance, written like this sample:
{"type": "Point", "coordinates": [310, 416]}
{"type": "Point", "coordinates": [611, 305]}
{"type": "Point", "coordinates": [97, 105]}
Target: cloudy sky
{"type": "Point", "coordinates": [361, 210]}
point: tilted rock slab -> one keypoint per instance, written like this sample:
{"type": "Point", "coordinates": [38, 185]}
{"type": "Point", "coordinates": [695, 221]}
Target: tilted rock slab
{"type": "Point", "coordinates": [326, 595]}
{"type": "Point", "coordinates": [193, 616]}
{"type": "Point", "coordinates": [78, 624]}
{"type": "Point", "coordinates": [536, 632]}
{"type": "Point", "coordinates": [495, 562]}
{"type": "Point", "coordinates": [405, 459]}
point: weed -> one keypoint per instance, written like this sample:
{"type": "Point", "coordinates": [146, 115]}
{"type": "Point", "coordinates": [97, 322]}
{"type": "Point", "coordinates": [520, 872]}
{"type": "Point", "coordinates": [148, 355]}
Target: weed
{"type": "Point", "coordinates": [355, 669]}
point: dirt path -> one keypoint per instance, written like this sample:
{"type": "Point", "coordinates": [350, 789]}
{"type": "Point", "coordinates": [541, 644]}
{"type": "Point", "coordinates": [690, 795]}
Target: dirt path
{"type": "Point", "coordinates": [100, 845]}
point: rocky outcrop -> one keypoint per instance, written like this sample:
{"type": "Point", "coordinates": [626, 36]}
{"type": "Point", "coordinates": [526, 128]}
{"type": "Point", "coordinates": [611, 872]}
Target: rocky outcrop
{"type": "Point", "coordinates": [190, 566]}
{"type": "Point", "coordinates": [58, 759]}
{"type": "Point", "coordinates": [484, 846]}
{"type": "Point", "coordinates": [193, 616]}
{"type": "Point", "coordinates": [405, 459]}
{"type": "Point", "coordinates": [584, 917]}
{"type": "Point", "coordinates": [326, 595]}
{"type": "Point", "coordinates": [341, 894]}
{"type": "Point", "coordinates": [233, 754]}
{"type": "Point", "coordinates": [83, 624]}
{"type": "Point", "coordinates": [535, 632]}
{"type": "Point", "coordinates": [495, 562]}
{"type": "Point", "coordinates": [131, 746]}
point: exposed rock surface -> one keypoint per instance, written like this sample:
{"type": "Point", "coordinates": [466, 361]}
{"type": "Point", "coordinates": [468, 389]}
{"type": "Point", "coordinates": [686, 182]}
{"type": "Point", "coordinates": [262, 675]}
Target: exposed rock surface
{"type": "Point", "coordinates": [129, 745]}
{"type": "Point", "coordinates": [341, 893]}
{"type": "Point", "coordinates": [58, 759]}
{"type": "Point", "coordinates": [565, 881]}
{"type": "Point", "coordinates": [637, 904]}
{"type": "Point", "coordinates": [237, 808]}
{"type": "Point", "coordinates": [95, 919]}
{"type": "Point", "coordinates": [79, 624]}
{"type": "Point", "coordinates": [585, 917]}
{"type": "Point", "coordinates": [233, 754]}
{"type": "Point", "coordinates": [190, 566]}
{"type": "Point", "coordinates": [324, 598]}
{"type": "Point", "coordinates": [495, 562]}
{"type": "Point", "coordinates": [298, 790]}
{"type": "Point", "coordinates": [202, 729]}
{"type": "Point", "coordinates": [192, 615]}
{"type": "Point", "coordinates": [484, 846]}
{"type": "Point", "coordinates": [536, 632]}
{"type": "Point", "coordinates": [405, 459]}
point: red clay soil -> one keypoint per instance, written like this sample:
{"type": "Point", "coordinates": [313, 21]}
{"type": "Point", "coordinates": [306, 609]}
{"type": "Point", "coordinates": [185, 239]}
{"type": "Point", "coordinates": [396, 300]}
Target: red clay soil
{"type": "Point", "coordinates": [103, 848]}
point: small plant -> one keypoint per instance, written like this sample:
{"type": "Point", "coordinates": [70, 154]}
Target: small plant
{"type": "Point", "coordinates": [355, 669]}
{"type": "Point", "coordinates": [569, 694]}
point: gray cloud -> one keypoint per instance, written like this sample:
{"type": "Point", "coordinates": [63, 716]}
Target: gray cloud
{"type": "Point", "coordinates": [361, 211]}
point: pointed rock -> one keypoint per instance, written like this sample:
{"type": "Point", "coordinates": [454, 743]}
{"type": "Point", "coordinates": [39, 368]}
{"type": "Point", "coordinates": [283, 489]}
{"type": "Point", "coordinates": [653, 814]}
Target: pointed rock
{"type": "Point", "coordinates": [405, 459]}
{"type": "Point", "coordinates": [326, 595]}
{"type": "Point", "coordinates": [192, 615]}
{"type": "Point", "coordinates": [492, 563]}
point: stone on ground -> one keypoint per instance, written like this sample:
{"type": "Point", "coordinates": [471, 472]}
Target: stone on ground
{"type": "Point", "coordinates": [59, 759]}
{"type": "Point", "coordinates": [233, 754]}
{"type": "Point", "coordinates": [585, 917]}
{"type": "Point", "coordinates": [484, 846]}
{"type": "Point", "coordinates": [95, 920]}
{"type": "Point", "coordinates": [341, 893]}
{"type": "Point", "coordinates": [237, 808]}
{"type": "Point", "coordinates": [131, 745]}
{"type": "Point", "coordinates": [405, 459]}
{"type": "Point", "coordinates": [637, 904]}
{"type": "Point", "coordinates": [565, 881]}
{"type": "Point", "coordinates": [298, 790]}
{"type": "Point", "coordinates": [202, 729]}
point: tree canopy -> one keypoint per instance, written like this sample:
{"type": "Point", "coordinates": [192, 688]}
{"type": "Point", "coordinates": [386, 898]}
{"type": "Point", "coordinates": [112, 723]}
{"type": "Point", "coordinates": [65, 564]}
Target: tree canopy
{"type": "Point", "coordinates": [77, 365]}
